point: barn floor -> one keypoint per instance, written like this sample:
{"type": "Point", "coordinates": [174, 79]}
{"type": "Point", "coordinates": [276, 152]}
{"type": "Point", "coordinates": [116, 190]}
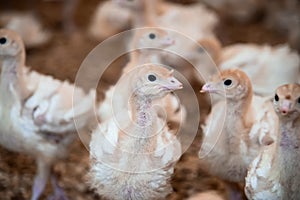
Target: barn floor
{"type": "Point", "coordinates": [61, 58]}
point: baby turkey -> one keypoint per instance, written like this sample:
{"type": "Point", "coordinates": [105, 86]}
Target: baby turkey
{"type": "Point", "coordinates": [36, 111]}
{"type": "Point", "coordinates": [198, 23]}
{"type": "Point", "coordinates": [147, 44]}
{"type": "Point", "coordinates": [133, 154]}
{"type": "Point", "coordinates": [236, 128]}
{"type": "Point", "coordinates": [274, 174]}
{"type": "Point", "coordinates": [142, 47]}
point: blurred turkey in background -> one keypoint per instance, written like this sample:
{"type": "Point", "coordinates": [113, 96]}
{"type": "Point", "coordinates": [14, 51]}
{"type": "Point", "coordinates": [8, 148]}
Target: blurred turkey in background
{"type": "Point", "coordinates": [59, 34]}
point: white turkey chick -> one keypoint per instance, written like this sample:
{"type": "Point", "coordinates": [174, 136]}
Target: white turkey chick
{"type": "Point", "coordinates": [37, 112]}
{"type": "Point", "coordinates": [197, 30]}
{"type": "Point", "coordinates": [274, 173]}
{"type": "Point", "coordinates": [148, 44]}
{"type": "Point", "coordinates": [237, 127]}
{"type": "Point", "coordinates": [133, 153]}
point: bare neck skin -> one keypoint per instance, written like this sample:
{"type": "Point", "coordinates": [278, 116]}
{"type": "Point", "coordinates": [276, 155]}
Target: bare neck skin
{"type": "Point", "coordinates": [289, 138]}
{"type": "Point", "coordinates": [144, 119]}
{"type": "Point", "coordinates": [12, 83]}
{"type": "Point", "coordinates": [288, 145]}
{"type": "Point", "coordinates": [142, 112]}
{"type": "Point", "coordinates": [287, 156]}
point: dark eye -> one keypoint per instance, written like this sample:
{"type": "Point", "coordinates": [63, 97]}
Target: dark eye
{"type": "Point", "coordinates": [152, 78]}
{"type": "Point", "coordinates": [227, 82]}
{"type": "Point", "coordinates": [276, 98]}
{"type": "Point", "coordinates": [200, 50]}
{"type": "Point", "coordinates": [3, 40]}
{"type": "Point", "coordinates": [152, 36]}
{"type": "Point", "coordinates": [299, 100]}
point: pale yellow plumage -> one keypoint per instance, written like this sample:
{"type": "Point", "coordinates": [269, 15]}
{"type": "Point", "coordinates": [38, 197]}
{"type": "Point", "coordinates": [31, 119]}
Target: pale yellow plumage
{"type": "Point", "coordinates": [274, 173]}
{"type": "Point", "coordinates": [237, 126]}
{"type": "Point", "coordinates": [191, 41]}
{"type": "Point", "coordinates": [133, 153]}
{"type": "Point", "coordinates": [37, 111]}
{"type": "Point", "coordinates": [114, 101]}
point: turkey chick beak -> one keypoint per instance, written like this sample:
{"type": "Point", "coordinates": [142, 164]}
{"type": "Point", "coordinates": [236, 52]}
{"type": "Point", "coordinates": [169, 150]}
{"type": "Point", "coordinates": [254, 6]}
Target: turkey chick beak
{"type": "Point", "coordinates": [172, 84]}
{"type": "Point", "coordinates": [285, 107]}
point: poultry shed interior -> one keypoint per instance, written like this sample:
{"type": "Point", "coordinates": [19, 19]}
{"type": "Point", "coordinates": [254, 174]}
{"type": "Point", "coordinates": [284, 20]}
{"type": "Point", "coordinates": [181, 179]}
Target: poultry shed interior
{"type": "Point", "coordinates": [259, 37]}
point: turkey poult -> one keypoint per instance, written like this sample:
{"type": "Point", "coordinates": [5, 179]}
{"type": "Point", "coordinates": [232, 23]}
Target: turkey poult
{"type": "Point", "coordinates": [274, 174]}
{"type": "Point", "coordinates": [268, 67]}
{"type": "Point", "coordinates": [133, 154]}
{"type": "Point", "coordinates": [119, 16]}
{"type": "Point", "coordinates": [37, 115]}
{"type": "Point", "coordinates": [148, 44]}
{"type": "Point", "coordinates": [237, 127]}
{"type": "Point", "coordinates": [142, 39]}
{"type": "Point", "coordinates": [173, 17]}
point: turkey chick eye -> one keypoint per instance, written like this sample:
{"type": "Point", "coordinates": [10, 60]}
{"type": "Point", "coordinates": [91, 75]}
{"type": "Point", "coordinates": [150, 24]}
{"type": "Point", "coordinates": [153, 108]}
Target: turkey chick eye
{"type": "Point", "coordinates": [3, 40]}
{"type": "Point", "coordinates": [299, 100]}
{"type": "Point", "coordinates": [152, 36]}
{"type": "Point", "coordinates": [200, 50]}
{"type": "Point", "coordinates": [276, 98]}
{"type": "Point", "coordinates": [227, 82]}
{"type": "Point", "coordinates": [152, 78]}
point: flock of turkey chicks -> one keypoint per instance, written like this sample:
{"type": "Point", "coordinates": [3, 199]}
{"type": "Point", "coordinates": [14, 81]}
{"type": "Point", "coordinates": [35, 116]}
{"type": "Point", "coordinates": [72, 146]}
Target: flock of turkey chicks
{"type": "Point", "coordinates": [250, 137]}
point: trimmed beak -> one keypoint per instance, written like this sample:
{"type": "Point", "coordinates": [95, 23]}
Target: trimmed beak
{"type": "Point", "coordinates": [173, 84]}
{"type": "Point", "coordinates": [285, 107]}
{"type": "Point", "coordinates": [168, 41]}
{"type": "Point", "coordinates": [209, 87]}
{"type": "Point", "coordinates": [205, 88]}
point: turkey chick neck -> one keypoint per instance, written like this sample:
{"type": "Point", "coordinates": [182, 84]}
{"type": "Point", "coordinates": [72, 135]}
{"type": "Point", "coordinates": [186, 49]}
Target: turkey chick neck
{"type": "Point", "coordinates": [12, 81]}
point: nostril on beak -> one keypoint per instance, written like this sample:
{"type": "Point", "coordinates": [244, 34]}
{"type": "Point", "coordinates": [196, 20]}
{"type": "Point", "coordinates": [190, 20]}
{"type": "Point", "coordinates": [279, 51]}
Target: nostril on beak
{"type": "Point", "coordinates": [284, 111]}
{"type": "Point", "coordinates": [206, 88]}
{"type": "Point", "coordinates": [3, 40]}
{"type": "Point", "coordinates": [174, 83]}
{"type": "Point", "coordinates": [285, 107]}
{"type": "Point", "coordinates": [169, 41]}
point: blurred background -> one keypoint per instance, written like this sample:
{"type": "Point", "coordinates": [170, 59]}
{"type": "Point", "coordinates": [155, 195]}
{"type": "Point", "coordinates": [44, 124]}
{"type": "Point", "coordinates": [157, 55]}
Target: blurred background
{"type": "Point", "coordinates": [65, 45]}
